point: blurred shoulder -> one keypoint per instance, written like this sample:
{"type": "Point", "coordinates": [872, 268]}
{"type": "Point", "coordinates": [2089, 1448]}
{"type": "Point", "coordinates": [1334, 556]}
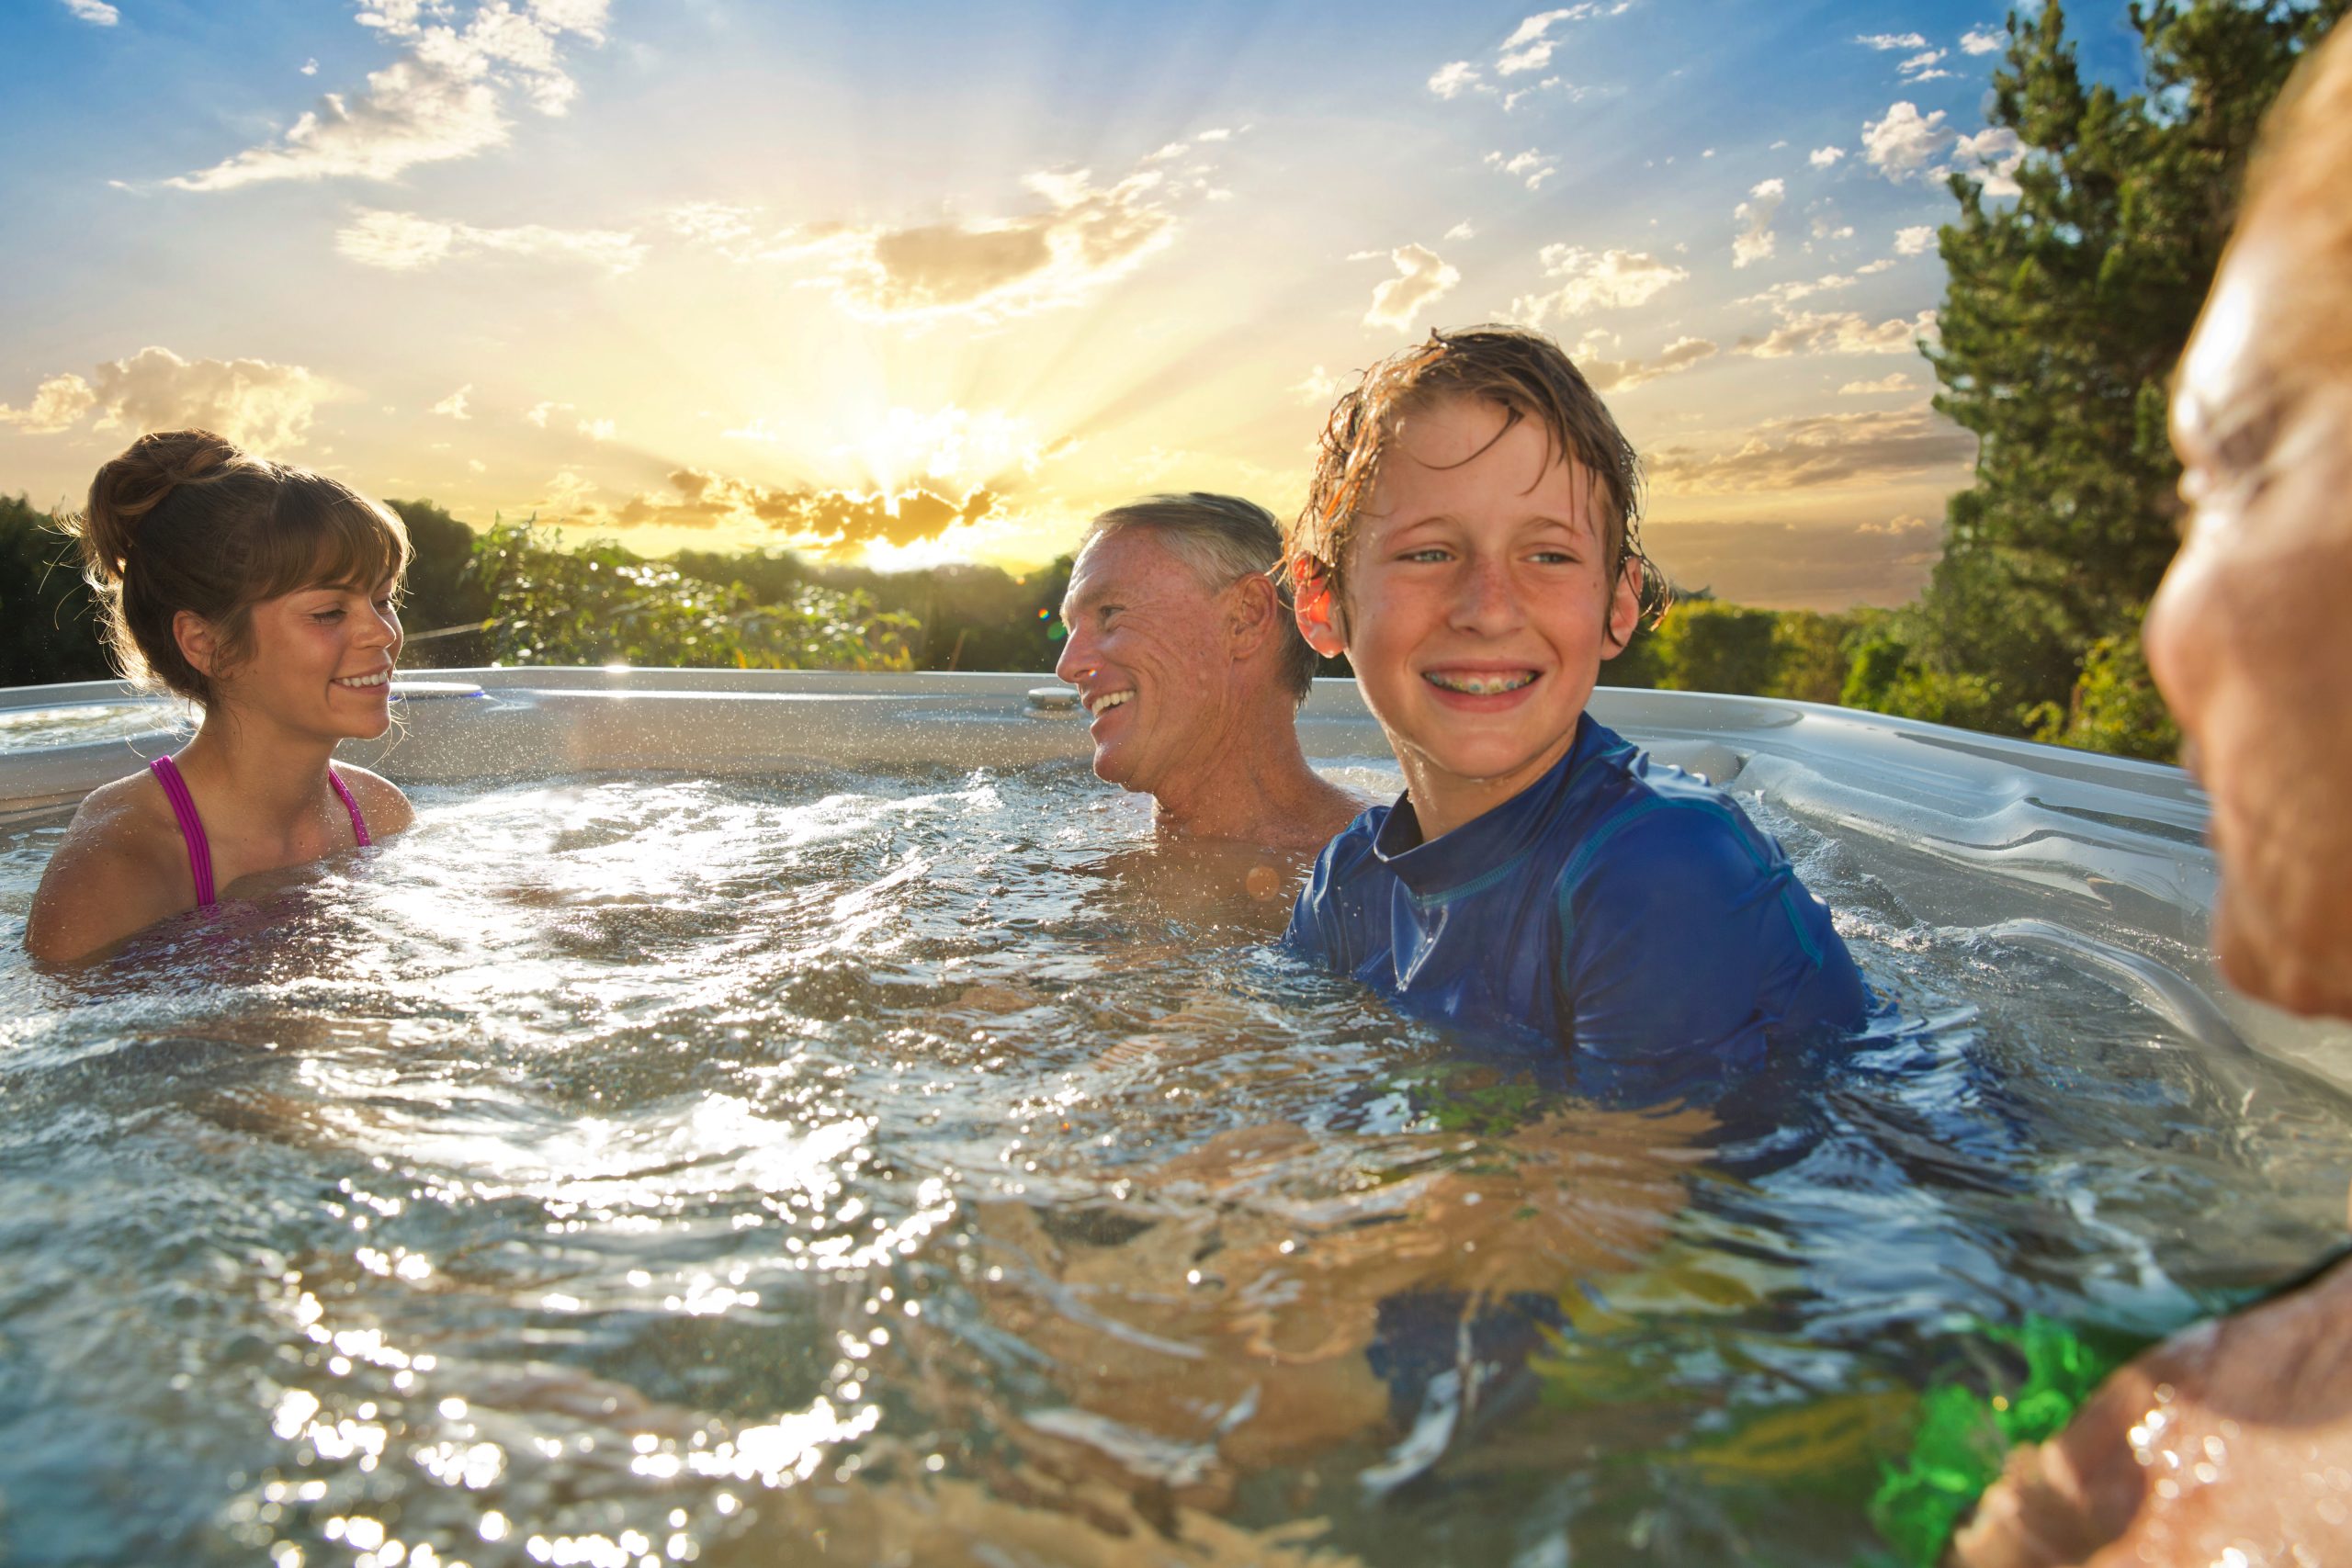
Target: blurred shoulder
{"type": "Point", "coordinates": [381, 801]}
{"type": "Point", "coordinates": [124, 866]}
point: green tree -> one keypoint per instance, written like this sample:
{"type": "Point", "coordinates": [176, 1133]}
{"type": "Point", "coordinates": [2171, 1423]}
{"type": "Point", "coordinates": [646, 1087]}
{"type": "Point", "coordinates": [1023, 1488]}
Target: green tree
{"type": "Point", "coordinates": [49, 623]}
{"type": "Point", "coordinates": [2064, 315]}
{"type": "Point", "coordinates": [598, 604]}
{"type": "Point", "coordinates": [1706, 646]}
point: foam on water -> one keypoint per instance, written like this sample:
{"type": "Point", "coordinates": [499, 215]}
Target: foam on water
{"type": "Point", "coordinates": [919, 1168]}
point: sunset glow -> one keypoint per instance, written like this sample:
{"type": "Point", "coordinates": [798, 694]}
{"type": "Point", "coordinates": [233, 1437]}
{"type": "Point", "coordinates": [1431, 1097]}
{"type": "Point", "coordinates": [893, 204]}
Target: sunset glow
{"type": "Point", "coordinates": [917, 283]}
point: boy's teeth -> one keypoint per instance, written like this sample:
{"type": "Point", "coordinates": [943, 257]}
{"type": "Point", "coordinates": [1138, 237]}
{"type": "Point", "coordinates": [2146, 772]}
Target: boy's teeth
{"type": "Point", "coordinates": [1480, 685]}
{"type": "Point", "coordinates": [1106, 702]}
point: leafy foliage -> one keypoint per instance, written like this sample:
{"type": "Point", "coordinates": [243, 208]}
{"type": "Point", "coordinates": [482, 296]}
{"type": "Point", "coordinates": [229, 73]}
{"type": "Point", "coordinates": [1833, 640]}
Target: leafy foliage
{"type": "Point", "coordinates": [598, 604]}
{"type": "Point", "coordinates": [49, 624]}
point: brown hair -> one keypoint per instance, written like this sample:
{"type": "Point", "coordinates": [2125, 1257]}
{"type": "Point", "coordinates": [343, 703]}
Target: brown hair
{"type": "Point", "coordinates": [1525, 373]}
{"type": "Point", "coordinates": [182, 519]}
{"type": "Point", "coordinates": [1223, 539]}
{"type": "Point", "coordinates": [2298, 170]}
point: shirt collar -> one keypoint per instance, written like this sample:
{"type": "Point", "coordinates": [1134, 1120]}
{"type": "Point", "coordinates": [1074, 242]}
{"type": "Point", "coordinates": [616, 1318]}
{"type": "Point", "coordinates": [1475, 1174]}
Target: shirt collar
{"type": "Point", "coordinates": [1489, 845]}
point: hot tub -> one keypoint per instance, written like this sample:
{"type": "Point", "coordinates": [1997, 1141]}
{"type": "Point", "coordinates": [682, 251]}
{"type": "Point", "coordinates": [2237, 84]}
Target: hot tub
{"type": "Point", "coordinates": [779, 1117]}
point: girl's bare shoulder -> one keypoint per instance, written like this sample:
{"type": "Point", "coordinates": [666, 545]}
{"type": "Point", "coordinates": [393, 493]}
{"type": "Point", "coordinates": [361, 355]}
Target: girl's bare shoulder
{"type": "Point", "coordinates": [381, 800]}
{"type": "Point", "coordinates": [122, 865]}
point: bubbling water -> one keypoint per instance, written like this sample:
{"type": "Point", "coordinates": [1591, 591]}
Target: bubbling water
{"type": "Point", "coordinates": [922, 1168]}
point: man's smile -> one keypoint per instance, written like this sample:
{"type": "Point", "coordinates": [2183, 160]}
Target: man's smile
{"type": "Point", "coordinates": [1104, 701]}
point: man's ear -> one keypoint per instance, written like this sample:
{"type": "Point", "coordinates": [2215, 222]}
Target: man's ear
{"type": "Point", "coordinates": [196, 642]}
{"type": "Point", "coordinates": [1624, 607]}
{"type": "Point", "coordinates": [1253, 611]}
{"type": "Point", "coordinates": [1316, 611]}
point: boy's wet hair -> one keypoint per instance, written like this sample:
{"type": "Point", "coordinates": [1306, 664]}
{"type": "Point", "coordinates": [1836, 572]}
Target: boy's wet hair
{"type": "Point", "coordinates": [186, 520]}
{"type": "Point", "coordinates": [1223, 539]}
{"type": "Point", "coordinates": [1529, 378]}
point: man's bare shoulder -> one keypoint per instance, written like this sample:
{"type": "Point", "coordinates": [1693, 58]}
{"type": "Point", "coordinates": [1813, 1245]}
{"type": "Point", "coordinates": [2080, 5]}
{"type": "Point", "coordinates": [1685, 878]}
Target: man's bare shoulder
{"type": "Point", "coordinates": [124, 866]}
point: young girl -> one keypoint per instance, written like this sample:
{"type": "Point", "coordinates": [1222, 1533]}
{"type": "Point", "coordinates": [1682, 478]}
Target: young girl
{"type": "Point", "coordinates": [264, 593]}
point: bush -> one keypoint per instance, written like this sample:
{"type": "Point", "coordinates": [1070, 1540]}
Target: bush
{"type": "Point", "coordinates": [49, 623]}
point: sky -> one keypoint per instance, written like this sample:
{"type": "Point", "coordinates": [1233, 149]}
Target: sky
{"type": "Point", "coordinates": [905, 282]}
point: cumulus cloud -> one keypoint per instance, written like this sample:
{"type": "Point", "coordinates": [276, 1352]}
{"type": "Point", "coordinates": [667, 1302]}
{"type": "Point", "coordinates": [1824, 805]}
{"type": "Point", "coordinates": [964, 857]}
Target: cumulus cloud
{"type": "Point", "coordinates": [1421, 279]}
{"type": "Point", "coordinates": [1915, 241]}
{"type": "Point", "coordinates": [537, 413]}
{"type": "Point", "coordinates": [453, 405]}
{"type": "Point", "coordinates": [1983, 41]}
{"type": "Point", "coordinates": [1821, 451]}
{"type": "Point", "coordinates": [1611, 280]}
{"type": "Point", "coordinates": [596, 429]}
{"type": "Point", "coordinates": [1892, 40]}
{"type": "Point", "coordinates": [1901, 526]}
{"type": "Point", "coordinates": [98, 12]}
{"type": "Point", "coordinates": [1621, 375]}
{"type": "Point", "coordinates": [1465, 230]}
{"type": "Point", "coordinates": [1898, 382]}
{"type": "Point", "coordinates": [253, 402]}
{"type": "Point", "coordinates": [1921, 67]}
{"type": "Point", "coordinates": [1755, 241]}
{"type": "Point", "coordinates": [1826, 157]}
{"type": "Point", "coordinates": [1078, 237]}
{"type": "Point", "coordinates": [840, 522]}
{"type": "Point", "coordinates": [445, 97]}
{"type": "Point", "coordinates": [1320, 389]}
{"type": "Point", "coordinates": [1841, 331]}
{"type": "Point", "coordinates": [1905, 141]}
{"type": "Point", "coordinates": [1530, 46]}
{"type": "Point", "coordinates": [403, 242]}
{"type": "Point", "coordinates": [1531, 166]}
{"type": "Point", "coordinates": [1453, 81]}
{"type": "Point", "coordinates": [1993, 156]}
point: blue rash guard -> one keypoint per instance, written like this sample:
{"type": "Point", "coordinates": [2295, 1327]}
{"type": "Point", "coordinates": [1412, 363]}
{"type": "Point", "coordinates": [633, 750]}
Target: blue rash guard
{"type": "Point", "coordinates": [1618, 907]}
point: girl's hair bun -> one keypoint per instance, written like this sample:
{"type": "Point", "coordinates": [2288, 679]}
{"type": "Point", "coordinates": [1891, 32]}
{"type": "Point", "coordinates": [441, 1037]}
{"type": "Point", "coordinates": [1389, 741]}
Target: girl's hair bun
{"type": "Point", "coordinates": [141, 478]}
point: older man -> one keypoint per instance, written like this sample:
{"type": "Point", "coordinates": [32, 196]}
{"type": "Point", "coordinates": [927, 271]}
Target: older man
{"type": "Point", "coordinates": [2232, 1442]}
{"type": "Point", "coordinates": [1193, 672]}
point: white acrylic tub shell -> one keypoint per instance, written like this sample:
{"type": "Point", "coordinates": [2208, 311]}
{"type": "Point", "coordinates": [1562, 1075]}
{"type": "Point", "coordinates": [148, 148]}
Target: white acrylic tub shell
{"type": "Point", "coordinates": [2039, 846]}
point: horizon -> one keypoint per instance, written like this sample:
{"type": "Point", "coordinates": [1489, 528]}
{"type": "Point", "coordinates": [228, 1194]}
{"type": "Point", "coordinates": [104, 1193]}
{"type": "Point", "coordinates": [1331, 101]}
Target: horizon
{"type": "Point", "coordinates": [712, 278]}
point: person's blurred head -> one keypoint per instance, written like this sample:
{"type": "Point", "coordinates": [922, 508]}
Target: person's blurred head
{"type": "Point", "coordinates": [2250, 636]}
{"type": "Point", "coordinates": [239, 582]}
{"type": "Point", "coordinates": [1180, 638]}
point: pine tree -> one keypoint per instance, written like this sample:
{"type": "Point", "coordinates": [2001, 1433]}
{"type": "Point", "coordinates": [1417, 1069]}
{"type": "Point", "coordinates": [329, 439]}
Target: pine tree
{"type": "Point", "coordinates": [2066, 313]}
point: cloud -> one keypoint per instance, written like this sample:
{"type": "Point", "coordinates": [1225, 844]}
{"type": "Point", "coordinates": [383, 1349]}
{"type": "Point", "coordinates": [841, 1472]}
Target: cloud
{"type": "Point", "coordinates": [1621, 375]}
{"type": "Point", "coordinates": [1822, 451]}
{"type": "Point", "coordinates": [1905, 141]}
{"type": "Point", "coordinates": [1904, 527]}
{"type": "Point", "coordinates": [1452, 81]}
{"type": "Point", "coordinates": [1421, 279]}
{"type": "Point", "coordinates": [1080, 237]}
{"type": "Point", "coordinates": [444, 97]}
{"type": "Point", "coordinates": [1320, 389]}
{"type": "Point", "coordinates": [537, 413]}
{"type": "Point", "coordinates": [1465, 230]}
{"type": "Point", "coordinates": [1611, 280]}
{"type": "Point", "coordinates": [840, 522]}
{"type": "Point", "coordinates": [1993, 156]}
{"type": "Point", "coordinates": [1983, 41]}
{"type": "Point", "coordinates": [1535, 167]}
{"type": "Point", "coordinates": [98, 12]}
{"type": "Point", "coordinates": [1892, 40]}
{"type": "Point", "coordinates": [1755, 241]}
{"type": "Point", "coordinates": [1843, 332]}
{"type": "Point", "coordinates": [253, 402]}
{"type": "Point", "coordinates": [1825, 157]}
{"type": "Point", "coordinates": [596, 429]}
{"type": "Point", "coordinates": [1871, 269]}
{"type": "Point", "coordinates": [1782, 294]}
{"type": "Point", "coordinates": [1921, 67]}
{"type": "Point", "coordinates": [1898, 382]}
{"type": "Point", "coordinates": [403, 242]}
{"type": "Point", "coordinates": [453, 405]}
{"type": "Point", "coordinates": [1796, 566]}
{"type": "Point", "coordinates": [1915, 241]}
{"type": "Point", "coordinates": [1530, 46]}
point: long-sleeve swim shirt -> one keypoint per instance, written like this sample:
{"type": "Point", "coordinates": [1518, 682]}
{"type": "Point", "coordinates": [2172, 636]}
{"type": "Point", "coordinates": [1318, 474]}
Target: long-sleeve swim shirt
{"type": "Point", "coordinates": [1619, 907]}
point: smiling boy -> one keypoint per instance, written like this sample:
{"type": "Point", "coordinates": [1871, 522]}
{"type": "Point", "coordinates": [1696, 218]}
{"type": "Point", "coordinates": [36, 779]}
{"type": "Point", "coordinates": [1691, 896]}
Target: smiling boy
{"type": "Point", "coordinates": [1471, 543]}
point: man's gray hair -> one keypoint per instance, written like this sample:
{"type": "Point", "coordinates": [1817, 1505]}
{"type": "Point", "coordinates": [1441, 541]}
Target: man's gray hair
{"type": "Point", "coordinates": [1223, 539]}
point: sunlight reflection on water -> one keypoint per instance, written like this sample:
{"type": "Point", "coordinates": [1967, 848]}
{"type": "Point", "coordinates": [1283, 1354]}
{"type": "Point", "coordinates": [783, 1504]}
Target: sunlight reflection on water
{"type": "Point", "coordinates": [856, 1168]}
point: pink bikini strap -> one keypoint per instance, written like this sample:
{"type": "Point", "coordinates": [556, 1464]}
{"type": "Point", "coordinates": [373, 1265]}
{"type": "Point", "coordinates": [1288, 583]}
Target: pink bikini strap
{"type": "Point", "coordinates": [199, 849]}
{"type": "Point", "coordinates": [359, 823]}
